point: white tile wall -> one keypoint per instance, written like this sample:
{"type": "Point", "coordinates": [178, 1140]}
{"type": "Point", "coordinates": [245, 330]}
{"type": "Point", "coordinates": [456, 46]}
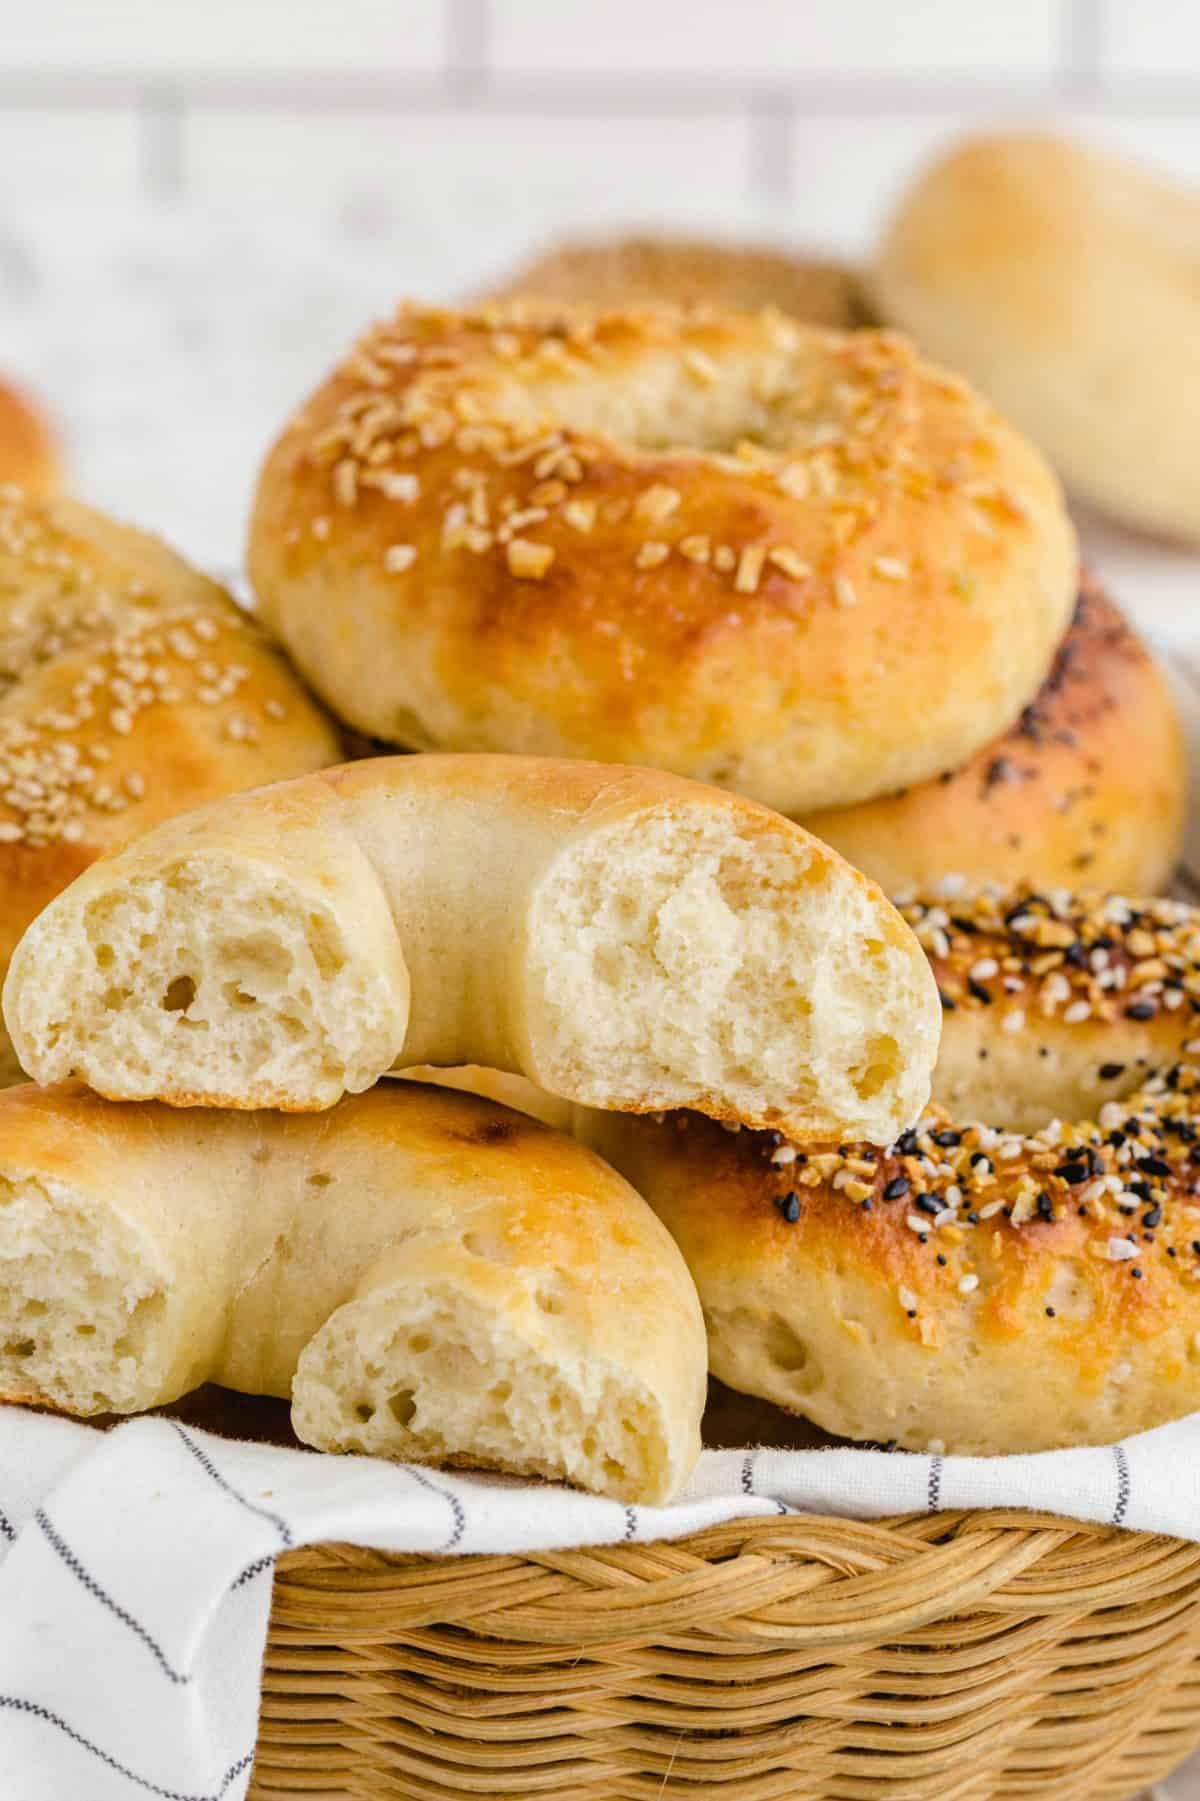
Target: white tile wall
{"type": "Point", "coordinates": [184, 39]}
{"type": "Point", "coordinates": [1149, 37]}
{"type": "Point", "coordinates": [85, 152]}
{"type": "Point", "coordinates": [776, 40]}
{"type": "Point", "coordinates": [448, 165]}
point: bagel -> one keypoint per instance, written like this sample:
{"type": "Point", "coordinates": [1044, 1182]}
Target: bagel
{"type": "Point", "coordinates": [1062, 281]}
{"type": "Point", "coordinates": [667, 271]}
{"type": "Point", "coordinates": [131, 688]}
{"type": "Point", "coordinates": [1022, 1284]}
{"type": "Point", "coordinates": [725, 545]}
{"type": "Point", "coordinates": [426, 1275]}
{"type": "Point", "coordinates": [622, 937]}
{"type": "Point", "coordinates": [1089, 786]}
{"type": "Point", "coordinates": [28, 453]}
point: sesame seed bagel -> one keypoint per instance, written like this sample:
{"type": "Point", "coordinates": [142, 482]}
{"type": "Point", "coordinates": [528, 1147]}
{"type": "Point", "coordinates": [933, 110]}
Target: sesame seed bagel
{"type": "Point", "coordinates": [657, 271]}
{"type": "Point", "coordinates": [725, 545]}
{"type": "Point", "coordinates": [1089, 785]}
{"type": "Point", "coordinates": [28, 454]}
{"type": "Point", "coordinates": [997, 1279]}
{"type": "Point", "coordinates": [131, 688]}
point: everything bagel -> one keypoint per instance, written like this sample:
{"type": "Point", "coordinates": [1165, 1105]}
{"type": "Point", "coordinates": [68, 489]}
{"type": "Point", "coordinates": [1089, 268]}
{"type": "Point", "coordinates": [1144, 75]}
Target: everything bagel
{"type": "Point", "coordinates": [997, 1279]}
{"type": "Point", "coordinates": [725, 545]}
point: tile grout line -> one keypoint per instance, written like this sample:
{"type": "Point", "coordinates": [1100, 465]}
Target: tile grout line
{"type": "Point", "coordinates": [770, 163]}
{"type": "Point", "coordinates": [160, 143]}
{"type": "Point", "coordinates": [1081, 49]}
{"type": "Point", "coordinates": [466, 46]}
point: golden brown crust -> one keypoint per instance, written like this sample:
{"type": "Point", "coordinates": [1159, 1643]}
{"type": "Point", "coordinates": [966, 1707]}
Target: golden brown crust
{"type": "Point", "coordinates": [1061, 279]}
{"type": "Point", "coordinates": [131, 689]}
{"type": "Point", "coordinates": [1088, 786]}
{"type": "Point", "coordinates": [28, 452]}
{"type": "Point", "coordinates": [473, 537]}
{"type": "Point", "coordinates": [657, 271]}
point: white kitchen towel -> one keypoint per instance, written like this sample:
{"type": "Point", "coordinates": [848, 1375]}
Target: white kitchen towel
{"type": "Point", "coordinates": [135, 1564]}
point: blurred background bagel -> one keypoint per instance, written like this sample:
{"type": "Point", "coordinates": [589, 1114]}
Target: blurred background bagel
{"type": "Point", "coordinates": [1064, 282]}
{"type": "Point", "coordinates": [628, 272]}
{"type": "Point", "coordinates": [29, 456]}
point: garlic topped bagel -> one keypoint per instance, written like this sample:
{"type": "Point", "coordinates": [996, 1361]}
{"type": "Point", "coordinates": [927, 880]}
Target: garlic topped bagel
{"type": "Point", "coordinates": [425, 1275]}
{"type": "Point", "coordinates": [722, 544]}
{"type": "Point", "coordinates": [1021, 1270]}
{"type": "Point", "coordinates": [622, 937]}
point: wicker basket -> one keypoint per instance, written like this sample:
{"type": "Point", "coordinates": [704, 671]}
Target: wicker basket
{"type": "Point", "coordinates": [926, 1658]}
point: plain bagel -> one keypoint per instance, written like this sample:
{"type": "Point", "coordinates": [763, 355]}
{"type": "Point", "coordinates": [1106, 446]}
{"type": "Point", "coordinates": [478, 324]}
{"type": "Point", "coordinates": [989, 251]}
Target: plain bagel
{"type": "Point", "coordinates": [425, 1275]}
{"type": "Point", "coordinates": [998, 1279]}
{"type": "Point", "coordinates": [1089, 785]}
{"type": "Point", "coordinates": [726, 545]}
{"type": "Point", "coordinates": [1063, 282]}
{"type": "Point", "coordinates": [131, 688]}
{"type": "Point", "coordinates": [622, 937]}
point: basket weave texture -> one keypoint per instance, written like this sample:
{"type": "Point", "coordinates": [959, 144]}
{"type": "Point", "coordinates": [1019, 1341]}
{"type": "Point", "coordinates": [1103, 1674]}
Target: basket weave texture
{"type": "Point", "coordinates": [806, 1658]}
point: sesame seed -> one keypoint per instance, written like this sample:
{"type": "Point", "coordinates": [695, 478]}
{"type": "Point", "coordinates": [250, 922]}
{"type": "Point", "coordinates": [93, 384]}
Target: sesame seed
{"type": "Point", "coordinates": [749, 569]}
{"type": "Point", "coordinates": [892, 569]}
{"type": "Point", "coordinates": [399, 557]}
{"type": "Point", "coordinates": [657, 503]}
{"type": "Point", "coordinates": [528, 561]}
{"type": "Point", "coordinates": [1119, 1250]}
{"type": "Point", "coordinates": [844, 591]}
{"type": "Point", "coordinates": [651, 554]}
{"type": "Point", "coordinates": [968, 1283]}
{"type": "Point", "coordinates": [789, 563]}
{"type": "Point", "coordinates": [395, 485]}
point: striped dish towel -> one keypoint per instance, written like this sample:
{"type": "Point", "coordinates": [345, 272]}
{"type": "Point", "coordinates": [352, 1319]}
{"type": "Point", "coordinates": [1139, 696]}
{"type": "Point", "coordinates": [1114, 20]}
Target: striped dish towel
{"type": "Point", "coordinates": [135, 1564]}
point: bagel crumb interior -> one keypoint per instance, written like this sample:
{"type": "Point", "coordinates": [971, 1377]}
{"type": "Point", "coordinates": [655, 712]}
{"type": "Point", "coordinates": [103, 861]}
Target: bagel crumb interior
{"type": "Point", "coordinates": [79, 1304]}
{"type": "Point", "coordinates": [680, 959]}
{"type": "Point", "coordinates": [422, 1370]}
{"type": "Point", "coordinates": [191, 984]}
